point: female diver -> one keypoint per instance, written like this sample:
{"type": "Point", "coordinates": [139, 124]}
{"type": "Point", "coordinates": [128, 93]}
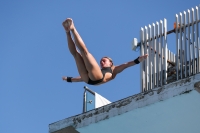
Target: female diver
{"type": "Point", "coordinates": [88, 68]}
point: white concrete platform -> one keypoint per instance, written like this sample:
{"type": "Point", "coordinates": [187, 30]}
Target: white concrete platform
{"type": "Point", "coordinates": [172, 108]}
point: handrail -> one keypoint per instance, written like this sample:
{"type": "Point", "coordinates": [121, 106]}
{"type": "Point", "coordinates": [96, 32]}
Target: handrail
{"type": "Point", "coordinates": [170, 31]}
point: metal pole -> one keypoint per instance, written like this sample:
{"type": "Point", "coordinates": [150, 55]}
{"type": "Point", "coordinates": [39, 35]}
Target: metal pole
{"type": "Point", "coordinates": [171, 31]}
{"type": "Point", "coordinates": [181, 48]}
{"type": "Point", "coordinates": [185, 44]}
{"type": "Point", "coordinates": [196, 38]}
{"type": "Point", "coordinates": [86, 88]}
{"type": "Point", "coordinates": [142, 77]}
{"type": "Point", "coordinates": [84, 101]}
{"type": "Point", "coordinates": [177, 50]}
{"type": "Point", "coordinates": [84, 97]}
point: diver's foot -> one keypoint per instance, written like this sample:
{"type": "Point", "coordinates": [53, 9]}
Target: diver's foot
{"type": "Point", "coordinates": [68, 24]}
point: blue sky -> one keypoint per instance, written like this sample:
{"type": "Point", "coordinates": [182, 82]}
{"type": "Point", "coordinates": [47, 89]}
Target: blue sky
{"type": "Point", "coordinates": [34, 54]}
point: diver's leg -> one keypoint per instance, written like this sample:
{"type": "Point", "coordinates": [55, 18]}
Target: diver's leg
{"type": "Point", "coordinates": [79, 60]}
{"type": "Point", "coordinates": [94, 71]}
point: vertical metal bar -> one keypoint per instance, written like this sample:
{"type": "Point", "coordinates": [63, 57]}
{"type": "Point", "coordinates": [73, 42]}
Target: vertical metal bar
{"type": "Point", "coordinates": [157, 54]}
{"type": "Point", "coordinates": [148, 52]}
{"type": "Point", "coordinates": [193, 44]}
{"type": "Point", "coordinates": [189, 52]}
{"type": "Point", "coordinates": [150, 57]}
{"type": "Point", "coordinates": [198, 16]}
{"type": "Point", "coordinates": [153, 58]}
{"type": "Point", "coordinates": [84, 101]}
{"type": "Point", "coordinates": [174, 56]}
{"type": "Point", "coordinates": [146, 61]}
{"type": "Point", "coordinates": [168, 58]}
{"type": "Point", "coordinates": [165, 51]}
{"type": "Point", "coordinates": [185, 44]}
{"type": "Point", "coordinates": [177, 50]}
{"type": "Point", "coordinates": [196, 38]}
{"type": "Point", "coordinates": [161, 52]}
{"type": "Point", "coordinates": [142, 77]}
{"type": "Point", "coordinates": [181, 48]}
{"type": "Point", "coordinates": [171, 56]}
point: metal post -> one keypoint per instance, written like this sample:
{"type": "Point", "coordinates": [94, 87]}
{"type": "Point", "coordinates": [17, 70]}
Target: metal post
{"type": "Point", "coordinates": [193, 44]}
{"type": "Point", "coordinates": [177, 50]}
{"type": "Point", "coordinates": [84, 97]}
{"type": "Point", "coordinates": [197, 39]}
{"type": "Point", "coordinates": [157, 54]}
{"type": "Point", "coordinates": [185, 44]}
{"type": "Point", "coordinates": [153, 58]}
{"type": "Point", "coordinates": [181, 48]}
{"type": "Point", "coordinates": [190, 57]}
{"type": "Point", "coordinates": [84, 101]}
{"type": "Point", "coordinates": [142, 77]}
{"type": "Point", "coordinates": [161, 52]}
{"type": "Point", "coordinates": [150, 57]}
{"type": "Point", "coordinates": [146, 61]}
{"type": "Point", "coordinates": [165, 51]}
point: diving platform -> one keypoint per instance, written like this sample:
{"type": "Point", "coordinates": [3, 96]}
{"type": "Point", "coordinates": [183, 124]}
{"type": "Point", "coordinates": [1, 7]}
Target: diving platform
{"type": "Point", "coordinates": [169, 98]}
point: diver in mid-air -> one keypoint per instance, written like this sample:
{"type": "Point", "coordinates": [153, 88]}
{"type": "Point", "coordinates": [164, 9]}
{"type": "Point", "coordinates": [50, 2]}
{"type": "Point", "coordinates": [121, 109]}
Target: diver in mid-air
{"type": "Point", "coordinates": [88, 68]}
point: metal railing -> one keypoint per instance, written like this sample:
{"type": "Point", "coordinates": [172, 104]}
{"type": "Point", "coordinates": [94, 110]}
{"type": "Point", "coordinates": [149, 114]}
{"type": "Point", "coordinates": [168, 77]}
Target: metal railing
{"type": "Point", "coordinates": [187, 43]}
{"type": "Point", "coordinates": [163, 66]}
{"type": "Point", "coordinates": [87, 102]}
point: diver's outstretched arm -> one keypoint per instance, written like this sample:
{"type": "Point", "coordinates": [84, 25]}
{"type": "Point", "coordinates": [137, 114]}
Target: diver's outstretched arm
{"type": "Point", "coordinates": [121, 67]}
{"type": "Point", "coordinates": [76, 79]}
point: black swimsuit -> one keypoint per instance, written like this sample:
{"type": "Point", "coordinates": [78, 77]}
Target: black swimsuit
{"type": "Point", "coordinates": [104, 71]}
